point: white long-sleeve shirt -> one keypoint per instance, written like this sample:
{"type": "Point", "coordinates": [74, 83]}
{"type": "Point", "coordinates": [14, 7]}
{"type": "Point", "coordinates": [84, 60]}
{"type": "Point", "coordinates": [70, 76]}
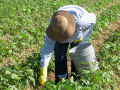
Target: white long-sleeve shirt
{"type": "Point", "coordinates": [83, 19]}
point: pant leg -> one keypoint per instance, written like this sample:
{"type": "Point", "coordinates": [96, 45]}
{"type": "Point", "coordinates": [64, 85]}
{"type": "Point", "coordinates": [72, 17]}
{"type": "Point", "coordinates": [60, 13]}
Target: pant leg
{"type": "Point", "coordinates": [85, 40]}
{"type": "Point", "coordinates": [60, 61]}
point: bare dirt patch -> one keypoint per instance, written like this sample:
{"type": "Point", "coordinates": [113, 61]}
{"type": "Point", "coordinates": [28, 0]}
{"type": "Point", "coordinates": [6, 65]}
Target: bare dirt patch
{"type": "Point", "coordinates": [6, 37]}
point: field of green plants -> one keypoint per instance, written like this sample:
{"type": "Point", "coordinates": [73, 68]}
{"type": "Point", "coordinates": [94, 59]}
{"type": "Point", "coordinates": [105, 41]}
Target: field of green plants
{"type": "Point", "coordinates": [22, 34]}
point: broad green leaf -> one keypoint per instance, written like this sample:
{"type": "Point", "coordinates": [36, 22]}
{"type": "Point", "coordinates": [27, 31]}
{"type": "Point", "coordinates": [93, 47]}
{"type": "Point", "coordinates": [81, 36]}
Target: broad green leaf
{"type": "Point", "coordinates": [7, 72]}
{"type": "Point", "coordinates": [10, 51]}
{"type": "Point", "coordinates": [30, 70]}
{"type": "Point", "coordinates": [33, 80]}
{"type": "Point", "coordinates": [14, 76]}
{"type": "Point", "coordinates": [12, 87]}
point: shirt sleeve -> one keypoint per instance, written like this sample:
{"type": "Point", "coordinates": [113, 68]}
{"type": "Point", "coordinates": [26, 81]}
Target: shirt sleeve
{"type": "Point", "coordinates": [47, 51]}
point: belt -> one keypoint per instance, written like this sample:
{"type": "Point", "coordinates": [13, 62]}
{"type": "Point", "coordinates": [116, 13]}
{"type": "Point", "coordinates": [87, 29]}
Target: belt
{"type": "Point", "coordinates": [81, 39]}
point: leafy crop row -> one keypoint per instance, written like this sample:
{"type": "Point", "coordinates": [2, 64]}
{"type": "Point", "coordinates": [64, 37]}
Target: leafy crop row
{"type": "Point", "coordinates": [20, 75]}
{"type": "Point", "coordinates": [109, 15]}
{"type": "Point", "coordinates": [104, 19]}
{"type": "Point", "coordinates": [111, 52]}
{"type": "Point", "coordinates": [98, 5]}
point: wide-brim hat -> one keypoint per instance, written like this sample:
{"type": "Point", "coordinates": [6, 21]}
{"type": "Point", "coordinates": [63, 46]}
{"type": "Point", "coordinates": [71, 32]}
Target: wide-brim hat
{"type": "Point", "coordinates": [62, 26]}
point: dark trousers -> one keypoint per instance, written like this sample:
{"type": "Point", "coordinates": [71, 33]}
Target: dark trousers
{"type": "Point", "coordinates": [61, 59]}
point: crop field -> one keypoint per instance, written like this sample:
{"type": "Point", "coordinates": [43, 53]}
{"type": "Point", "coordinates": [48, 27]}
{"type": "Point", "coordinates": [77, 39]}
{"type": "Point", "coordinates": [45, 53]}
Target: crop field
{"type": "Point", "coordinates": [22, 34]}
